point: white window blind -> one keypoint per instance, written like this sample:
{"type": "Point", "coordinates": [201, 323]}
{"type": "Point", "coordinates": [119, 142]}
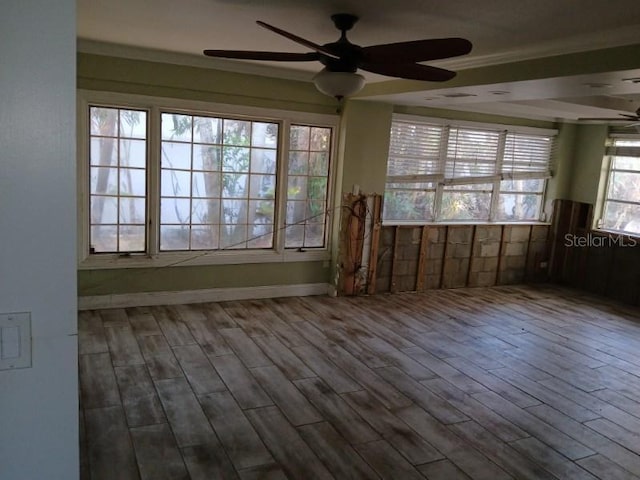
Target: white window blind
{"type": "Point", "coordinates": [414, 151]}
{"type": "Point", "coordinates": [626, 149]}
{"type": "Point", "coordinates": [471, 154]}
{"type": "Point", "coordinates": [526, 156]}
{"type": "Point", "coordinates": [465, 172]}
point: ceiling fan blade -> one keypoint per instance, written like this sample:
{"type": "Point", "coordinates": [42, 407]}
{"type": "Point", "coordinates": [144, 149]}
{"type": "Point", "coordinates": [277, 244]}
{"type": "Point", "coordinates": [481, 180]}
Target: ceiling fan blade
{"type": "Point", "coordinates": [623, 118]}
{"type": "Point", "coordinates": [272, 56]}
{"type": "Point", "coordinates": [411, 71]}
{"type": "Point", "coordinates": [416, 51]}
{"type": "Point", "coordinates": [302, 41]}
{"type": "Point", "coordinates": [614, 119]}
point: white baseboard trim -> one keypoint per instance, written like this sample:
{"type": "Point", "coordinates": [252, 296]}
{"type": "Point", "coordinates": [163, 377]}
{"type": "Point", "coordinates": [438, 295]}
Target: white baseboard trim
{"type": "Point", "coordinates": [143, 299]}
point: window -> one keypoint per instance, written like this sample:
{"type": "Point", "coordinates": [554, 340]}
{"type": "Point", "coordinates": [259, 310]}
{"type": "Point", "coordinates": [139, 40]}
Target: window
{"type": "Point", "coordinates": [474, 173]}
{"type": "Point", "coordinates": [117, 159]}
{"type": "Point", "coordinates": [162, 181]}
{"type": "Point", "coordinates": [217, 183]}
{"type": "Point", "coordinates": [414, 168]}
{"type": "Point", "coordinates": [621, 210]}
{"type": "Point", "coordinates": [523, 172]}
{"type": "Point", "coordinates": [308, 171]}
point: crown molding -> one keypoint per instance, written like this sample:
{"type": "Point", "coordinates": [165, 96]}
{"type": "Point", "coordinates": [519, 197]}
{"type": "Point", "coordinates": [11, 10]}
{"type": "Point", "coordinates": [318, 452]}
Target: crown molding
{"type": "Point", "coordinates": [178, 58]}
{"type": "Point", "coordinates": [577, 44]}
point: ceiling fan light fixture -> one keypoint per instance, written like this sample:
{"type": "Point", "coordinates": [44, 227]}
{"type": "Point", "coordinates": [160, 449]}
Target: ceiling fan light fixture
{"type": "Point", "coordinates": [338, 84]}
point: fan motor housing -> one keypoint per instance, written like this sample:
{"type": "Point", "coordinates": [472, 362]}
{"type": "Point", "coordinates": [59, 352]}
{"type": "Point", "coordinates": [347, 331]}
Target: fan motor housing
{"type": "Point", "coordinates": [349, 54]}
{"type": "Point", "coordinates": [344, 21]}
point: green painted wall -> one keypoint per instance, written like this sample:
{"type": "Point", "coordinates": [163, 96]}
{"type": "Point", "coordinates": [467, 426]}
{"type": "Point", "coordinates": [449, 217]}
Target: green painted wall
{"type": "Point", "coordinates": [122, 75]}
{"type": "Point", "coordinates": [586, 167]}
{"type": "Point", "coordinates": [104, 282]}
{"type": "Point", "coordinates": [559, 185]}
{"type": "Point", "coordinates": [364, 136]}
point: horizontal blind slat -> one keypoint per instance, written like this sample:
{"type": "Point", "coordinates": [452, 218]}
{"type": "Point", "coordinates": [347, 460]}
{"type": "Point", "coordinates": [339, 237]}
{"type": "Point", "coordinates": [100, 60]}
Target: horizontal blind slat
{"type": "Point", "coordinates": [416, 152]}
{"type": "Point", "coordinates": [471, 153]}
{"type": "Point", "coordinates": [527, 154]}
{"type": "Point", "coordinates": [414, 149]}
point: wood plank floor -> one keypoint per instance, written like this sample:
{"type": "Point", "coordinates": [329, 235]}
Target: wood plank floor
{"type": "Point", "coordinates": [496, 383]}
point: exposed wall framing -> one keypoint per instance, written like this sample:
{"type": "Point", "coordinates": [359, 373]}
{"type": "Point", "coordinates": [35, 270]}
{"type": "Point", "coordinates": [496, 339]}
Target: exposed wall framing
{"type": "Point", "coordinates": [376, 222]}
{"type": "Point", "coordinates": [451, 256]}
{"type": "Point", "coordinates": [376, 258]}
{"type": "Point", "coordinates": [352, 276]}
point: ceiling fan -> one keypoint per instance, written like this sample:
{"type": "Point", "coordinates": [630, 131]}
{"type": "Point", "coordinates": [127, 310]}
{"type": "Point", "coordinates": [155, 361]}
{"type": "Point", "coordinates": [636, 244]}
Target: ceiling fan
{"type": "Point", "coordinates": [624, 117]}
{"type": "Point", "coordinates": [342, 59]}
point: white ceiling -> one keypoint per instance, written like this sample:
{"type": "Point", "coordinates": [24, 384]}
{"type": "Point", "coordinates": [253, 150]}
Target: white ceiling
{"type": "Point", "coordinates": [501, 31]}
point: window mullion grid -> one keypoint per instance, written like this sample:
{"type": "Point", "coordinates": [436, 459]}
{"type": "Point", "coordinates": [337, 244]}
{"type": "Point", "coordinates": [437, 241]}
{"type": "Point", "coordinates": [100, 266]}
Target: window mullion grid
{"type": "Point", "coordinates": [612, 171]}
{"type": "Point", "coordinates": [153, 182]}
{"type": "Point", "coordinates": [626, 202]}
{"type": "Point", "coordinates": [282, 181]}
{"type": "Point", "coordinates": [495, 195]}
{"type": "Point", "coordinates": [442, 155]}
{"type": "Point", "coordinates": [622, 170]}
{"type": "Point", "coordinates": [118, 144]}
{"type": "Point", "coordinates": [192, 128]}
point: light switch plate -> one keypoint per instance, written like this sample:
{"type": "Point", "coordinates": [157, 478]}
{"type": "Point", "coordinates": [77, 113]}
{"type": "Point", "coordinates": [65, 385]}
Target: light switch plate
{"type": "Point", "coordinates": [15, 340]}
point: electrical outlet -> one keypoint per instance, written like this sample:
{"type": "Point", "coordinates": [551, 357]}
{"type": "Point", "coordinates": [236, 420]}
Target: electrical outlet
{"type": "Point", "coordinates": [15, 340]}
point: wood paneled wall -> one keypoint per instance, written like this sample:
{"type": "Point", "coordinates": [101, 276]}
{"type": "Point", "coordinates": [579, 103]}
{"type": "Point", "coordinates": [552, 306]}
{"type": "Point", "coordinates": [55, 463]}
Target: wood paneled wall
{"type": "Point", "coordinates": [605, 264]}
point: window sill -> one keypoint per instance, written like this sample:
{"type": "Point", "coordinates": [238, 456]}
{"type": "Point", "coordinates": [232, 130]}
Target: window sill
{"type": "Point", "coordinates": [185, 259]}
{"type": "Point", "coordinates": [461, 223]}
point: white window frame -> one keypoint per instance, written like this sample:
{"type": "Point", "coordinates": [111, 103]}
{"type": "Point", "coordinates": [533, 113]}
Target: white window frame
{"type": "Point", "coordinates": [495, 180]}
{"type": "Point", "coordinates": [607, 169]}
{"type": "Point", "coordinates": [156, 258]}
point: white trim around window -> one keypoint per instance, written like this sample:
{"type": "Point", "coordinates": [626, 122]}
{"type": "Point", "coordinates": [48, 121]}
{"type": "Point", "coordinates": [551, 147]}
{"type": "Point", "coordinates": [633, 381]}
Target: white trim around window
{"type": "Point", "coordinates": [152, 255]}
